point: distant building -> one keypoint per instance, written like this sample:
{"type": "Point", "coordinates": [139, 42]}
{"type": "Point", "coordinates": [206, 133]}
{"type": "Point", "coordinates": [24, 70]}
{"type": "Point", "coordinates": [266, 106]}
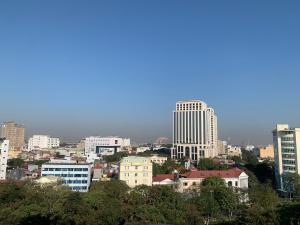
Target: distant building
{"type": "Point", "coordinates": [233, 151]}
{"type": "Point", "coordinates": [164, 179]}
{"type": "Point", "coordinates": [286, 152]}
{"type": "Point", "coordinates": [195, 132]}
{"type": "Point", "coordinates": [142, 149]}
{"type": "Point", "coordinates": [15, 133]}
{"type": "Point", "coordinates": [221, 147]}
{"type": "Point", "coordinates": [249, 148]}
{"type": "Point", "coordinates": [136, 171]}
{"type": "Point", "coordinates": [158, 159]}
{"type": "Point", "coordinates": [42, 142]}
{"type": "Point", "coordinates": [4, 149]}
{"type": "Point", "coordinates": [266, 152]}
{"type": "Point", "coordinates": [75, 175]}
{"type": "Point", "coordinates": [105, 145]}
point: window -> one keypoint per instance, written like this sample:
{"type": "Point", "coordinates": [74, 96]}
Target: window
{"type": "Point", "coordinates": [136, 167]}
{"type": "Point", "coordinates": [185, 184]}
{"type": "Point", "coordinates": [136, 174]}
{"type": "Point", "coordinates": [229, 183]}
{"type": "Point", "coordinates": [78, 169]}
{"type": "Point", "coordinates": [236, 184]}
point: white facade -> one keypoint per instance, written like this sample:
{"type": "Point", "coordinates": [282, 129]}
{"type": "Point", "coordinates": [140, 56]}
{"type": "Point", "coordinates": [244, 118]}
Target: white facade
{"type": "Point", "coordinates": [286, 152]}
{"type": "Point", "coordinates": [105, 145]}
{"type": "Point", "coordinates": [75, 175]}
{"type": "Point", "coordinates": [136, 171]}
{"type": "Point", "coordinates": [195, 132]}
{"type": "Point", "coordinates": [233, 150]}
{"type": "Point", "coordinates": [42, 142]}
{"type": "Point", "coordinates": [4, 148]}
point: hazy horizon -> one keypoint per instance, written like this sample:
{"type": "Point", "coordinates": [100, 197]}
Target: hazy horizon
{"type": "Point", "coordinates": [73, 69]}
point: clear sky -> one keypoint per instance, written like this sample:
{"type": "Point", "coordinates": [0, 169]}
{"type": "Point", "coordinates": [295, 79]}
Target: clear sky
{"type": "Point", "coordinates": [79, 68]}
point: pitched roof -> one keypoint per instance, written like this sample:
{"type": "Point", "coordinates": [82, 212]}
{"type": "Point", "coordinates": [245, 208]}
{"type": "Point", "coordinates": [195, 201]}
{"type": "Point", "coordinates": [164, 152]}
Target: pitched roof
{"type": "Point", "coordinates": [162, 177]}
{"type": "Point", "coordinates": [234, 172]}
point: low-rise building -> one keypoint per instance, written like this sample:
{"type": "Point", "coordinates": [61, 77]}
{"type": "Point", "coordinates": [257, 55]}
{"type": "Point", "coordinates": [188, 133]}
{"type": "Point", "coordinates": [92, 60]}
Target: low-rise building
{"type": "Point", "coordinates": [234, 177]}
{"type": "Point", "coordinates": [233, 151]}
{"type": "Point", "coordinates": [266, 152]}
{"type": "Point", "coordinates": [165, 179]}
{"type": "Point", "coordinates": [158, 159]}
{"type": "Point", "coordinates": [4, 148]}
{"type": "Point", "coordinates": [136, 171]}
{"type": "Point", "coordinates": [75, 175]}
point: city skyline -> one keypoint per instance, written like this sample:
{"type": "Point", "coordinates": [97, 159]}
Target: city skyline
{"type": "Point", "coordinates": [72, 69]}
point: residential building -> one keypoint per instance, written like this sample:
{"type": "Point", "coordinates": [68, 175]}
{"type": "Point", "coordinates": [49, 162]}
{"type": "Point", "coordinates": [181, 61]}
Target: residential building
{"type": "Point", "coordinates": [233, 151]}
{"type": "Point", "coordinates": [221, 147]}
{"type": "Point", "coordinates": [249, 148]}
{"type": "Point", "coordinates": [266, 152]}
{"type": "Point", "coordinates": [195, 132]}
{"type": "Point", "coordinates": [4, 149]}
{"type": "Point", "coordinates": [286, 152]}
{"type": "Point", "coordinates": [15, 133]}
{"type": "Point", "coordinates": [165, 179]}
{"type": "Point", "coordinates": [158, 159]}
{"type": "Point", "coordinates": [136, 171]}
{"type": "Point", "coordinates": [234, 177]}
{"type": "Point", "coordinates": [105, 145]}
{"type": "Point", "coordinates": [42, 142]}
{"type": "Point", "coordinates": [75, 175]}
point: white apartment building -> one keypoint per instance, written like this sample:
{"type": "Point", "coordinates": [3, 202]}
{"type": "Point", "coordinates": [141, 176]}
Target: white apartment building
{"type": "Point", "coordinates": [4, 148]}
{"type": "Point", "coordinates": [42, 142]}
{"type": "Point", "coordinates": [195, 132]}
{"type": "Point", "coordinates": [105, 145]}
{"type": "Point", "coordinates": [286, 151]}
{"type": "Point", "coordinates": [158, 159]}
{"type": "Point", "coordinates": [136, 171]}
{"type": "Point", "coordinates": [75, 175]}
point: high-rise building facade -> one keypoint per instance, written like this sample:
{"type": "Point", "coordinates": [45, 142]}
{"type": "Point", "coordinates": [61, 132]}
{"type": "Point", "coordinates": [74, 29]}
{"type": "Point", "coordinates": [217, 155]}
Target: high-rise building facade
{"type": "Point", "coordinates": [286, 151]}
{"type": "Point", "coordinates": [15, 133]}
{"type": "Point", "coordinates": [42, 142]}
{"type": "Point", "coordinates": [4, 148]}
{"type": "Point", "coordinates": [195, 132]}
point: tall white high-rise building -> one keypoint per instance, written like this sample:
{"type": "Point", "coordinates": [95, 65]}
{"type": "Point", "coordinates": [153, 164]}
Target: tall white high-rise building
{"type": "Point", "coordinates": [286, 151]}
{"type": "Point", "coordinates": [42, 142]}
{"type": "Point", "coordinates": [4, 148]}
{"type": "Point", "coordinates": [195, 132]}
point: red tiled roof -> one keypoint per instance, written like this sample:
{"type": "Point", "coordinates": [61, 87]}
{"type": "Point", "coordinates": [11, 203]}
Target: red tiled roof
{"type": "Point", "coordinates": [162, 177]}
{"type": "Point", "coordinates": [234, 172]}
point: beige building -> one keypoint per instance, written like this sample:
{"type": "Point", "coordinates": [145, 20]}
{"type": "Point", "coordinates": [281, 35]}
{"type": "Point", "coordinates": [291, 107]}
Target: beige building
{"type": "Point", "coordinates": [15, 133]}
{"type": "Point", "coordinates": [136, 171]}
{"type": "Point", "coordinates": [266, 152]}
{"type": "Point", "coordinates": [158, 159]}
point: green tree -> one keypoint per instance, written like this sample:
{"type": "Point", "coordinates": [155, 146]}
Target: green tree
{"type": "Point", "coordinates": [291, 183]}
{"type": "Point", "coordinates": [213, 181]}
{"type": "Point", "coordinates": [264, 197]}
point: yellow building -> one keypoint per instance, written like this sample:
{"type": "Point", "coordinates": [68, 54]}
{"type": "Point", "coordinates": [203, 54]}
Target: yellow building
{"type": "Point", "coordinates": [267, 152]}
{"type": "Point", "coordinates": [136, 171]}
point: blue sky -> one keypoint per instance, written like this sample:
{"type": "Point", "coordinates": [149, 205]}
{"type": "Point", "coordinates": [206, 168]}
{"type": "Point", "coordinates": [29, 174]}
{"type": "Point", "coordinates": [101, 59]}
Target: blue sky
{"type": "Point", "coordinates": [79, 68]}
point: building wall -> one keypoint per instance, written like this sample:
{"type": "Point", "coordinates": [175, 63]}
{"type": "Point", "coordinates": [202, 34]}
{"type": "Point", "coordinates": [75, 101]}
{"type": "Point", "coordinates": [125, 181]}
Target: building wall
{"type": "Point", "coordinates": [267, 152]}
{"type": "Point", "coordinates": [105, 144]}
{"type": "Point", "coordinates": [286, 152]}
{"type": "Point", "coordinates": [42, 142]}
{"type": "Point", "coordinates": [194, 131]}
{"type": "Point", "coordinates": [4, 149]}
{"type": "Point", "coordinates": [15, 133]}
{"type": "Point", "coordinates": [158, 159]}
{"type": "Point", "coordinates": [76, 176]}
{"type": "Point", "coordinates": [136, 171]}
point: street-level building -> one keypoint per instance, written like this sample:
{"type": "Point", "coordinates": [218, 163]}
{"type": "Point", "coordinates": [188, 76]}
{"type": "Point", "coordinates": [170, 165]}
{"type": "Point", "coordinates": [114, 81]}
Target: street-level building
{"type": "Point", "coordinates": [4, 149]}
{"type": "Point", "coordinates": [195, 132]}
{"type": "Point", "coordinates": [105, 145]}
{"type": "Point", "coordinates": [286, 152]}
{"type": "Point", "coordinates": [136, 171]}
{"type": "Point", "coordinates": [75, 175]}
{"type": "Point", "coordinates": [234, 177]}
{"type": "Point", "coordinates": [42, 142]}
